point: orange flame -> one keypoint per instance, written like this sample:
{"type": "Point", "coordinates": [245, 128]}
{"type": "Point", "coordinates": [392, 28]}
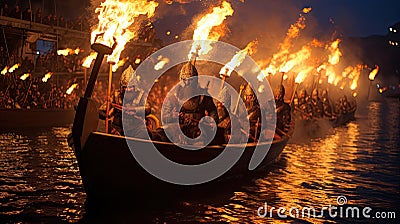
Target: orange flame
{"type": "Point", "coordinates": [25, 76]}
{"type": "Point", "coordinates": [47, 76]}
{"type": "Point", "coordinates": [373, 73]}
{"type": "Point", "coordinates": [237, 60]}
{"type": "Point", "coordinates": [292, 33]}
{"type": "Point", "coordinates": [355, 75]}
{"type": "Point", "coordinates": [296, 59]}
{"type": "Point", "coordinates": [303, 74]}
{"type": "Point", "coordinates": [4, 71]}
{"type": "Point", "coordinates": [88, 60]}
{"type": "Point", "coordinates": [68, 51]}
{"type": "Point", "coordinates": [162, 62]}
{"type": "Point", "coordinates": [335, 55]}
{"type": "Point", "coordinates": [204, 26]}
{"type": "Point", "coordinates": [12, 69]}
{"type": "Point", "coordinates": [119, 64]}
{"type": "Point", "coordinates": [71, 88]}
{"type": "Point", "coordinates": [115, 19]}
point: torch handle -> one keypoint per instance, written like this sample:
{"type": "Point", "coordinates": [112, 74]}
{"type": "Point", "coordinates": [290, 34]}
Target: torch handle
{"type": "Point", "coordinates": [94, 74]}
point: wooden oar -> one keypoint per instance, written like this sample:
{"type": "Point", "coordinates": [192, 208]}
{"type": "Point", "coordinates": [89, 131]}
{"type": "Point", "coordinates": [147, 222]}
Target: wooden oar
{"type": "Point", "coordinates": [83, 105]}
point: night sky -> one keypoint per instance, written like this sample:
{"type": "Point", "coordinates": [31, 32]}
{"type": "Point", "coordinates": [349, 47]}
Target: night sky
{"type": "Point", "coordinates": [358, 18]}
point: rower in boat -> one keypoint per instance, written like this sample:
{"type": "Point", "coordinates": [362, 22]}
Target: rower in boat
{"type": "Point", "coordinates": [327, 108]}
{"type": "Point", "coordinates": [283, 113]}
{"type": "Point", "coordinates": [253, 113]}
{"type": "Point", "coordinates": [133, 109]}
{"type": "Point", "coordinates": [317, 105]}
{"type": "Point", "coordinates": [192, 110]}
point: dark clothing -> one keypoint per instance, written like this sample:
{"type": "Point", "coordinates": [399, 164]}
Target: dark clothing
{"type": "Point", "coordinates": [283, 115]}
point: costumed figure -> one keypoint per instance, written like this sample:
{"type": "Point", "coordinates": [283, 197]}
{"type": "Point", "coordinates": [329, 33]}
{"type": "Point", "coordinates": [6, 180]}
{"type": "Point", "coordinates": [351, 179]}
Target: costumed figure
{"type": "Point", "coordinates": [283, 111]}
{"type": "Point", "coordinates": [317, 105]}
{"type": "Point", "coordinates": [326, 104]}
{"type": "Point", "coordinates": [130, 100]}
{"type": "Point", "coordinates": [253, 113]}
{"type": "Point", "coordinates": [192, 110]}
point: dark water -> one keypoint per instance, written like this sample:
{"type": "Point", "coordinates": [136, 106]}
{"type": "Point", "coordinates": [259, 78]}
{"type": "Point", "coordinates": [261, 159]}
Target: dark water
{"type": "Point", "coordinates": [40, 182]}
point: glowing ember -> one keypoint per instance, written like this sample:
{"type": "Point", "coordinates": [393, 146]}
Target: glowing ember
{"type": "Point", "coordinates": [12, 69]}
{"type": "Point", "coordinates": [250, 49]}
{"type": "Point", "coordinates": [119, 64]}
{"type": "Point", "coordinates": [168, 33]}
{"type": "Point", "coordinates": [204, 26]}
{"type": "Point", "coordinates": [71, 88]}
{"type": "Point", "coordinates": [47, 76]}
{"type": "Point", "coordinates": [373, 73]}
{"type": "Point", "coordinates": [89, 59]}
{"type": "Point", "coordinates": [115, 20]}
{"type": "Point", "coordinates": [162, 62]}
{"type": "Point", "coordinates": [137, 61]}
{"type": "Point", "coordinates": [25, 76]}
{"type": "Point", "coordinates": [306, 9]}
{"type": "Point", "coordinates": [354, 94]}
{"type": "Point", "coordinates": [261, 88]}
{"type": "Point", "coordinates": [68, 51]}
{"type": "Point", "coordinates": [4, 71]}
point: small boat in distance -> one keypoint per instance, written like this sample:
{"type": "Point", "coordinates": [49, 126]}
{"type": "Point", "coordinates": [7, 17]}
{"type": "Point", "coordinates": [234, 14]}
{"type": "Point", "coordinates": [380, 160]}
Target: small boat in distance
{"type": "Point", "coordinates": [34, 118]}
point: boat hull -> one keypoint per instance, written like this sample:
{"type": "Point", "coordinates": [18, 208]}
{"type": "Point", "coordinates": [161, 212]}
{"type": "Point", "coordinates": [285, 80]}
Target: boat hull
{"type": "Point", "coordinates": [110, 172]}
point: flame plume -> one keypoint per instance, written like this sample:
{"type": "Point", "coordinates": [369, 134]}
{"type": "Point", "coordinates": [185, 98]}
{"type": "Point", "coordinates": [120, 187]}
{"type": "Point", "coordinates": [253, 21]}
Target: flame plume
{"type": "Point", "coordinates": [204, 26]}
{"type": "Point", "coordinates": [279, 58]}
{"type": "Point", "coordinates": [296, 59]}
{"type": "Point", "coordinates": [301, 76]}
{"type": "Point", "coordinates": [335, 55]}
{"type": "Point", "coordinates": [115, 20]}
{"type": "Point", "coordinates": [250, 49]}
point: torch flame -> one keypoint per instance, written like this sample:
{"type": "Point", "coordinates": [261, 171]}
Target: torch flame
{"type": "Point", "coordinates": [47, 76]}
{"type": "Point", "coordinates": [12, 69]}
{"type": "Point", "coordinates": [296, 59]}
{"type": "Point", "coordinates": [115, 19]}
{"type": "Point", "coordinates": [355, 75]}
{"type": "Point", "coordinates": [302, 75]}
{"type": "Point", "coordinates": [4, 71]}
{"type": "Point", "coordinates": [279, 58]}
{"type": "Point", "coordinates": [88, 60]}
{"type": "Point", "coordinates": [237, 60]}
{"type": "Point", "coordinates": [71, 88]}
{"type": "Point", "coordinates": [335, 55]}
{"type": "Point", "coordinates": [119, 64]}
{"type": "Point", "coordinates": [25, 76]}
{"type": "Point", "coordinates": [68, 51]}
{"type": "Point", "coordinates": [373, 73]}
{"type": "Point", "coordinates": [204, 26]}
{"type": "Point", "coordinates": [162, 62]}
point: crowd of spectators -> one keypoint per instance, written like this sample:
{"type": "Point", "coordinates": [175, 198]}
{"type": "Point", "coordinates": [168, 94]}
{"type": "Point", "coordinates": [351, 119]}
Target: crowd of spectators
{"type": "Point", "coordinates": [38, 17]}
{"type": "Point", "coordinates": [33, 93]}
